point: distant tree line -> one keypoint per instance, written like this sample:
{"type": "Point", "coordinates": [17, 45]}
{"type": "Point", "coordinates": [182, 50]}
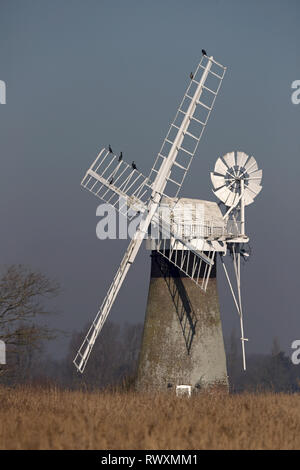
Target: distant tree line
{"type": "Point", "coordinates": [112, 363]}
{"type": "Point", "coordinates": [24, 303]}
{"type": "Point", "coordinates": [265, 372]}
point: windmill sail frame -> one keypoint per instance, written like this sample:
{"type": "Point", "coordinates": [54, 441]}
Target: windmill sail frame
{"type": "Point", "coordinates": [169, 169]}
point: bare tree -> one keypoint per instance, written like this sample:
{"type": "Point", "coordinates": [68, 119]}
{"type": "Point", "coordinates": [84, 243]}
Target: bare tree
{"type": "Point", "coordinates": [23, 298]}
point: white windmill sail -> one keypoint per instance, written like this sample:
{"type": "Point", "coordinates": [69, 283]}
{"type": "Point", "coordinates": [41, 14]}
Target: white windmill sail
{"type": "Point", "coordinates": [170, 168]}
{"type": "Point", "coordinates": [117, 183]}
{"type": "Point", "coordinates": [189, 123]}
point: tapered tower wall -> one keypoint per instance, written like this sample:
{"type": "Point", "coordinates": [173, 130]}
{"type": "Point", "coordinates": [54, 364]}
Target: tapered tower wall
{"type": "Point", "coordinates": [182, 338]}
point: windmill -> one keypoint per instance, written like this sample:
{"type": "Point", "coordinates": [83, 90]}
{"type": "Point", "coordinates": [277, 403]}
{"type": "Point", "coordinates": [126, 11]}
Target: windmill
{"type": "Point", "coordinates": [114, 181]}
{"type": "Point", "coordinates": [182, 340]}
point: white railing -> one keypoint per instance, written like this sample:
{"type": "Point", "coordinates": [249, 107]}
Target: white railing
{"type": "Point", "coordinates": [210, 230]}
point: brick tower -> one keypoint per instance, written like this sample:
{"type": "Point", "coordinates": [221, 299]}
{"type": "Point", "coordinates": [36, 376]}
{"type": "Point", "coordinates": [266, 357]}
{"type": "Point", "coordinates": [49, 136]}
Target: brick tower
{"type": "Point", "coordinates": [182, 338]}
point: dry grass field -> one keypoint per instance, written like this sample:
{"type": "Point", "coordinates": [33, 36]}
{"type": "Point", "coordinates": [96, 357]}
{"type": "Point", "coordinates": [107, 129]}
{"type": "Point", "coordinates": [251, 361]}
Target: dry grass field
{"type": "Point", "coordinates": [37, 418]}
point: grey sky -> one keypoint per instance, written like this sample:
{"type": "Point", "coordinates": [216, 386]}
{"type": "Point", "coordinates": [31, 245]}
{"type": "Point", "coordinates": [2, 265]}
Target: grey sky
{"type": "Point", "coordinates": [81, 75]}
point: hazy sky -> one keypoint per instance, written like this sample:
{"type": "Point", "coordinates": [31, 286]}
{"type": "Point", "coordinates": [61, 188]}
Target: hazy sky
{"type": "Point", "coordinates": [81, 75]}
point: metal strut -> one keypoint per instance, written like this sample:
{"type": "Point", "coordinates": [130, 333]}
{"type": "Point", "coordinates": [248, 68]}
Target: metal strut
{"type": "Point", "coordinates": [238, 299]}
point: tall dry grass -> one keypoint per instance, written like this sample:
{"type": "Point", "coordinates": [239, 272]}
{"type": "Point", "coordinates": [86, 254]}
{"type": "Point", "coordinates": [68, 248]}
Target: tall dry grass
{"type": "Point", "coordinates": [37, 418]}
